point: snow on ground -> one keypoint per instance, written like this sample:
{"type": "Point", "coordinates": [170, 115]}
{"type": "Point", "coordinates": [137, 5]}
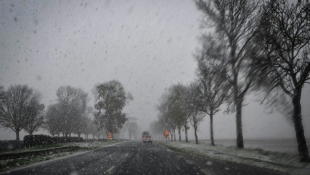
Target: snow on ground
{"type": "Point", "coordinates": [284, 162]}
{"type": "Point", "coordinates": [94, 144]}
{"type": "Point", "coordinates": [85, 146]}
{"type": "Point", "coordinates": [275, 145]}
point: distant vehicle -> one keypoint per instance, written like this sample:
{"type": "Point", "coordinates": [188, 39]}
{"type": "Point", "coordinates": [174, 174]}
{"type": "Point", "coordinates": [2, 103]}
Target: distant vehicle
{"type": "Point", "coordinates": [145, 133]}
{"type": "Point", "coordinates": [146, 137]}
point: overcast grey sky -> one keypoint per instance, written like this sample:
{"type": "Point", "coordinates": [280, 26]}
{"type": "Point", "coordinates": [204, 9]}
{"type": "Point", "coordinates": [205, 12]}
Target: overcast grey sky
{"type": "Point", "coordinates": [146, 45]}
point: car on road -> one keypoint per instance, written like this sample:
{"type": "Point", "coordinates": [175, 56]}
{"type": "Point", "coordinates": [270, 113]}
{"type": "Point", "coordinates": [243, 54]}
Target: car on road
{"type": "Point", "coordinates": [147, 139]}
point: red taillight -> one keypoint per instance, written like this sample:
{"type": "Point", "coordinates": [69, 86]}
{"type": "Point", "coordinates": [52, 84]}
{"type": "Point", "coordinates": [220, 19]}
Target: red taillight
{"type": "Point", "coordinates": [151, 138]}
{"type": "Point", "coordinates": [143, 138]}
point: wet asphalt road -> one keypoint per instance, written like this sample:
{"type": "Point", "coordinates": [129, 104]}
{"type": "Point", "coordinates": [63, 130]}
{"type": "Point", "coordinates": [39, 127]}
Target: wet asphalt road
{"type": "Point", "coordinates": [135, 158]}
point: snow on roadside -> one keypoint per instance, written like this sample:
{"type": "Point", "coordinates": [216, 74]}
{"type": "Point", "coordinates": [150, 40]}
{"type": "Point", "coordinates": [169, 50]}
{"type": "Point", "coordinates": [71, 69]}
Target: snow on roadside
{"type": "Point", "coordinates": [257, 157]}
{"type": "Point", "coordinates": [94, 144]}
{"type": "Point", "coordinates": [85, 146]}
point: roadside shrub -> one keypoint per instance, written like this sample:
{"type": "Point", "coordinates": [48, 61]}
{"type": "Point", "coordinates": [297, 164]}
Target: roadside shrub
{"type": "Point", "coordinates": [103, 140]}
{"type": "Point", "coordinates": [67, 139]}
{"type": "Point", "coordinates": [35, 140]}
{"type": "Point", "coordinates": [95, 140]}
{"type": "Point", "coordinates": [10, 145]}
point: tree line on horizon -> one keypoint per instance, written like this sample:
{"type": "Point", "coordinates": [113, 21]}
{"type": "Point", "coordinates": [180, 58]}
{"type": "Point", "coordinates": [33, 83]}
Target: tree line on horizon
{"type": "Point", "coordinates": [261, 46]}
{"type": "Point", "coordinates": [21, 109]}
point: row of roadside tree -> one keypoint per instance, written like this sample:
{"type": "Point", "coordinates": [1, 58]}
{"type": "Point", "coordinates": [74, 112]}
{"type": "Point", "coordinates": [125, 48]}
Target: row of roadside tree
{"type": "Point", "coordinates": [21, 109]}
{"type": "Point", "coordinates": [261, 46]}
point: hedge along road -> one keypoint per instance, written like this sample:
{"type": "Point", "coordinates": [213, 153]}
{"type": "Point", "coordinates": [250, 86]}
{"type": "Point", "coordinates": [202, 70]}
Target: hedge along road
{"type": "Point", "coordinates": [134, 158]}
{"type": "Point", "coordinates": [6, 156]}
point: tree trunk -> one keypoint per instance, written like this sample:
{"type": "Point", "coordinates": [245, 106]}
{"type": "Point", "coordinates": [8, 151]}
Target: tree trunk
{"type": "Point", "coordinates": [79, 134]}
{"type": "Point", "coordinates": [17, 135]}
{"type": "Point", "coordinates": [238, 102]}
{"type": "Point", "coordinates": [174, 135]}
{"type": "Point", "coordinates": [211, 129]}
{"type": "Point", "coordinates": [180, 139]}
{"type": "Point", "coordinates": [171, 136]}
{"type": "Point", "coordinates": [196, 137]}
{"type": "Point", "coordinates": [186, 138]}
{"type": "Point", "coordinates": [129, 135]}
{"type": "Point", "coordinates": [297, 119]}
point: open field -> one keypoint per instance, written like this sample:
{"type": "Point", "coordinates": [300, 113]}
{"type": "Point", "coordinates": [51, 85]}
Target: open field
{"type": "Point", "coordinates": [279, 161]}
{"type": "Point", "coordinates": [277, 145]}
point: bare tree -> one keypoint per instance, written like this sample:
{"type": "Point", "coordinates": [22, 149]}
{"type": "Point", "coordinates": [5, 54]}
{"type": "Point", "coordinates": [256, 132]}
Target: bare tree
{"type": "Point", "coordinates": [212, 90]}
{"type": "Point", "coordinates": [157, 129]}
{"type": "Point", "coordinates": [83, 121]}
{"type": "Point", "coordinates": [72, 104]}
{"type": "Point", "coordinates": [285, 38]}
{"type": "Point", "coordinates": [99, 123]}
{"type": "Point", "coordinates": [186, 128]}
{"type": "Point", "coordinates": [192, 102]}
{"type": "Point", "coordinates": [80, 125]}
{"type": "Point", "coordinates": [68, 115]}
{"type": "Point", "coordinates": [176, 106]}
{"type": "Point", "coordinates": [92, 128]}
{"type": "Point", "coordinates": [2, 94]}
{"type": "Point", "coordinates": [53, 120]}
{"type": "Point", "coordinates": [13, 108]}
{"type": "Point", "coordinates": [172, 110]}
{"type": "Point", "coordinates": [235, 24]}
{"type": "Point", "coordinates": [164, 116]}
{"type": "Point", "coordinates": [195, 119]}
{"type": "Point", "coordinates": [86, 128]}
{"type": "Point", "coordinates": [88, 124]}
{"type": "Point", "coordinates": [131, 126]}
{"type": "Point", "coordinates": [34, 112]}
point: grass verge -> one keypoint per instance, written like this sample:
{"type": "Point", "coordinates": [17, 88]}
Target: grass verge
{"type": "Point", "coordinates": [5, 164]}
{"type": "Point", "coordinates": [253, 157]}
{"type": "Point", "coordinates": [35, 148]}
{"type": "Point", "coordinates": [180, 150]}
{"type": "Point", "coordinates": [11, 163]}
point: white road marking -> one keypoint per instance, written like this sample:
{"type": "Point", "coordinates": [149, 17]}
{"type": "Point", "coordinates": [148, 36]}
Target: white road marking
{"type": "Point", "coordinates": [110, 169]}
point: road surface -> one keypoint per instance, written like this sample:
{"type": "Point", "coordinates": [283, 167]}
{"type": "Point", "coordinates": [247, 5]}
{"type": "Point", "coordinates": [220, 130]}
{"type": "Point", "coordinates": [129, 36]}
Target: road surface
{"type": "Point", "coordinates": [136, 158]}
